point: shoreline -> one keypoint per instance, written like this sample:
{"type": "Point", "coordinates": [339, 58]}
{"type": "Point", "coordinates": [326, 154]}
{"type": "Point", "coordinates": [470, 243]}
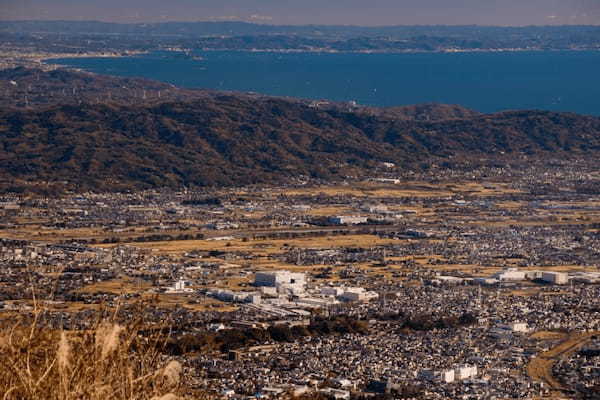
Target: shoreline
{"type": "Point", "coordinates": [334, 51]}
{"type": "Point", "coordinates": [40, 60]}
{"type": "Point", "coordinates": [43, 61]}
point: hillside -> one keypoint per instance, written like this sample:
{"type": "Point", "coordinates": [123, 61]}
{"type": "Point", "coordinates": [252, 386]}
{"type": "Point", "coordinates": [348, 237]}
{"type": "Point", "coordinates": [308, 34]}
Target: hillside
{"type": "Point", "coordinates": [24, 87]}
{"type": "Point", "coordinates": [232, 140]}
{"type": "Point", "coordinates": [425, 112]}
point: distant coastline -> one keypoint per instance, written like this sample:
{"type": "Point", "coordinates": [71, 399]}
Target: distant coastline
{"type": "Point", "coordinates": [44, 60]}
{"type": "Point", "coordinates": [47, 59]}
{"type": "Point", "coordinates": [411, 51]}
{"type": "Point", "coordinates": [29, 42]}
{"type": "Point", "coordinates": [482, 80]}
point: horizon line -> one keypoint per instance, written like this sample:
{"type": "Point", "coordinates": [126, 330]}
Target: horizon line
{"type": "Point", "coordinates": [243, 21]}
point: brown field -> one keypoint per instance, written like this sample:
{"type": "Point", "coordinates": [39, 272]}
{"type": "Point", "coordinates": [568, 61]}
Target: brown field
{"type": "Point", "coordinates": [370, 190]}
{"type": "Point", "coordinates": [404, 189]}
{"type": "Point", "coordinates": [524, 292]}
{"type": "Point", "coordinates": [165, 300]}
{"type": "Point", "coordinates": [328, 211]}
{"type": "Point", "coordinates": [117, 286]}
{"type": "Point", "coordinates": [267, 246]}
{"type": "Point", "coordinates": [548, 335]}
{"type": "Point", "coordinates": [58, 235]}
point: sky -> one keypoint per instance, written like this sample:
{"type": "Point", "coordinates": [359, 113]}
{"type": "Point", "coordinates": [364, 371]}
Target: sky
{"type": "Point", "coordinates": [327, 12]}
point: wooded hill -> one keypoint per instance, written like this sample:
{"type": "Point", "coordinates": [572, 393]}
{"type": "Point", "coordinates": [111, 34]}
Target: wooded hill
{"type": "Point", "coordinates": [236, 140]}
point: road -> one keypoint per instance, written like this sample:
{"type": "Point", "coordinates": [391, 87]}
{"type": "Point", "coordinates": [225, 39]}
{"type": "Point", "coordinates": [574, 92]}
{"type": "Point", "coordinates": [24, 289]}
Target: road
{"type": "Point", "coordinates": [540, 367]}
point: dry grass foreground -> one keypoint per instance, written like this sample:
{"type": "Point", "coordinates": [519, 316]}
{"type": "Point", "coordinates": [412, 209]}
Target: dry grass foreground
{"type": "Point", "coordinates": [110, 361]}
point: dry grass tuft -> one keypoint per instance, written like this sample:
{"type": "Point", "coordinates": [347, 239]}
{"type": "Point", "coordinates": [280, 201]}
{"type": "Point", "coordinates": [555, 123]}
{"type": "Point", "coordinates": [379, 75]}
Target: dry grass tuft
{"type": "Point", "coordinates": [172, 373]}
{"type": "Point", "coordinates": [3, 342]}
{"type": "Point", "coordinates": [109, 362]}
{"type": "Point", "coordinates": [64, 352]}
{"type": "Point", "coordinates": [169, 396]}
{"type": "Point", "coordinates": [107, 338]}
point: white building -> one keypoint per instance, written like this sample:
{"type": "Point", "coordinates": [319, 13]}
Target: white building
{"type": "Point", "coordinates": [282, 280]}
{"type": "Point", "coordinates": [179, 287]}
{"type": "Point", "coordinates": [444, 376]}
{"type": "Point", "coordinates": [332, 291]}
{"type": "Point", "coordinates": [348, 220]}
{"type": "Point", "coordinates": [268, 291]}
{"type": "Point", "coordinates": [216, 327]}
{"type": "Point", "coordinates": [357, 294]}
{"type": "Point", "coordinates": [510, 274]}
{"type": "Point", "coordinates": [506, 331]}
{"type": "Point", "coordinates": [586, 277]}
{"type": "Point", "coordinates": [387, 180]}
{"type": "Point", "coordinates": [236, 297]}
{"type": "Point", "coordinates": [557, 278]}
{"type": "Point", "coordinates": [485, 281]}
{"type": "Point", "coordinates": [253, 298]}
{"type": "Point", "coordinates": [465, 372]}
{"type": "Point", "coordinates": [519, 327]}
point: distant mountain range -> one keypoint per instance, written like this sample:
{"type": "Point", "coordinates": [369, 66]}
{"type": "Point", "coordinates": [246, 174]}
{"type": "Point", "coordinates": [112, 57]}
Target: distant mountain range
{"type": "Point", "coordinates": [65, 36]}
{"type": "Point", "coordinates": [228, 139]}
{"type": "Point", "coordinates": [238, 28]}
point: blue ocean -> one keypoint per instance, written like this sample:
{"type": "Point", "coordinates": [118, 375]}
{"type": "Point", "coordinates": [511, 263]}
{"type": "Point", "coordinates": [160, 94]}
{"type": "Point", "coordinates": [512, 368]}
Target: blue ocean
{"type": "Point", "coordinates": [484, 81]}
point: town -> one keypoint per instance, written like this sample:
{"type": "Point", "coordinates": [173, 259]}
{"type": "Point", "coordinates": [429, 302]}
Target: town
{"type": "Point", "coordinates": [478, 284]}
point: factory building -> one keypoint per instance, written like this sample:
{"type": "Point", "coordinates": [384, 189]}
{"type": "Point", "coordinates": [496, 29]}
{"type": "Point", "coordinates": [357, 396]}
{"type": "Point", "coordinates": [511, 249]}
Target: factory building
{"type": "Point", "coordinates": [557, 278]}
{"type": "Point", "coordinates": [279, 278]}
{"type": "Point", "coordinates": [284, 282]}
{"type": "Point", "coordinates": [586, 277]}
{"type": "Point", "coordinates": [348, 293]}
{"type": "Point", "coordinates": [236, 297]}
{"type": "Point", "coordinates": [348, 220]}
{"type": "Point", "coordinates": [357, 294]}
{"type": "Point", "coordinates": [510, 274]}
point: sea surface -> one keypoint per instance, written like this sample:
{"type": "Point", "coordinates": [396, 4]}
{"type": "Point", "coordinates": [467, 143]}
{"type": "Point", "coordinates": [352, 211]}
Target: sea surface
{"type": "Point", "coordinates": [484, 81]}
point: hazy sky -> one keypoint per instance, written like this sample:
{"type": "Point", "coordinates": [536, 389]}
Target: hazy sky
{"type": "Point", "coordinates": [355, 12]}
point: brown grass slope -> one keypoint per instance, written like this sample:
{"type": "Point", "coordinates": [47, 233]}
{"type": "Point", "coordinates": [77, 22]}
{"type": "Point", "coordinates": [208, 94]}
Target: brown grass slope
{"type": "Point", "coordinates": [108, 362]}
{"type": "Point", "coordinates": [233, 140]}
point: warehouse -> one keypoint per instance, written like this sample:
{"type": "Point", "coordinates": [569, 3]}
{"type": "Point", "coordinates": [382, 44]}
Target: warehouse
{"type": "Point", "coordinates": [557, 278]}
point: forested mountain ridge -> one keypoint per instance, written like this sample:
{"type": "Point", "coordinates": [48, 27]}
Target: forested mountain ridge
{"type": "Point", "coordinates": [233, 140]}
